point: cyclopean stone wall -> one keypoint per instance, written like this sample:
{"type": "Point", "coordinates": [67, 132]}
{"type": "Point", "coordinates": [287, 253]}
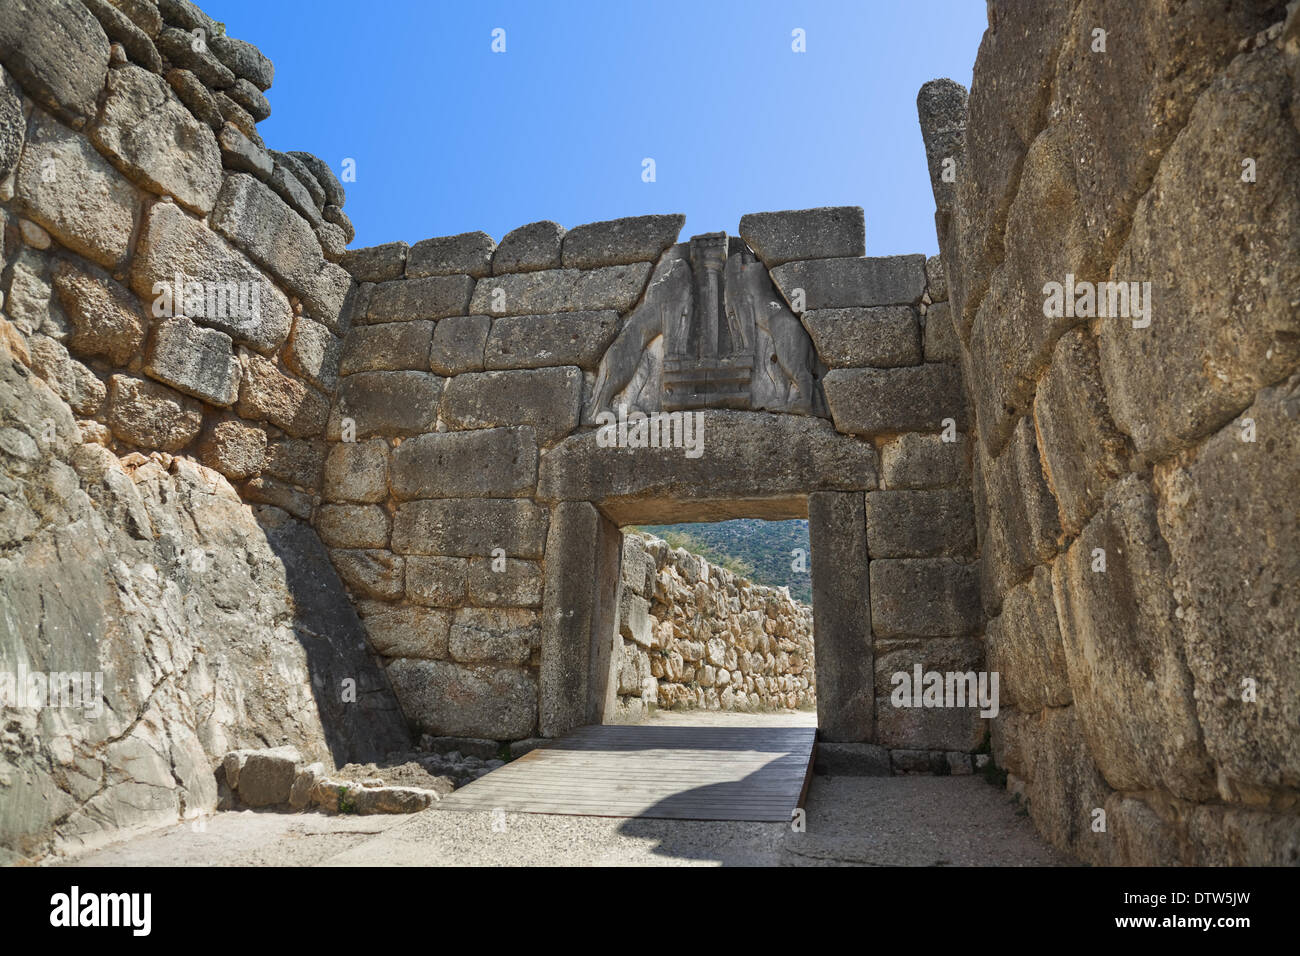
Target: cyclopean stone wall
{"type": "Point", "coordinates": [1136, 492]}
{"type": "Point", "coordinates": [695, 635]}
{"type": "Point", "coordinates": [158, 472]}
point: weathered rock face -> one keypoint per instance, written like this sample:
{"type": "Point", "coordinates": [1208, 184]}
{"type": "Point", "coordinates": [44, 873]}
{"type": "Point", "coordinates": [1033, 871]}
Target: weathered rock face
{"type": "Point", "coordinates": [694, 635]}
{"type": "Point", "coordinates": [1137, 480]}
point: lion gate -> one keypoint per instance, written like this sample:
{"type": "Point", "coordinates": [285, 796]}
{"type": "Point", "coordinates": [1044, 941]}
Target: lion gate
{"type": "Point", "coordinates": [504, 409]}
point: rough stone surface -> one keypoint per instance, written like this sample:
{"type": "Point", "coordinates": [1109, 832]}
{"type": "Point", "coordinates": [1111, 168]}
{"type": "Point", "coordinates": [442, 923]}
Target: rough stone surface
{"type": "Point", "coordinates": [357, 471]}
{"type": "Point", "coordinates": [471, 528]}
{"type": "Point", "coordinates": [35, 39]}
{"type": "Point", "coordinates": [920, 524]}
{"type": "Point", "coordinates": [107, 321]}
{"type": "Point", "coordinates": [459, 342]}
{"type": "Point", "coordinates": [428, 298]}
{"type": "Point", "coordinates": [924, 597]}
{"type": "Point", "coordinates": [883, 337]}
{"type": "Point", "coordinates": [849, 283]}
{"type": "Point", "coordinates": [830, 232]}
{"type": "Point", "coordinates": [391, 346]}
{"type": "Point", "coordinates": [561, 290]}
{"type": "Point", "coordinates": [492, 462]}
{"type": "Point", "coordinates": [529, 248]}
{"type": "Point", "coordinates": [194, 360]}
{"type": "Point", "coordinates": [441, 697]}
{"type": "Point", "coordinates": [153, 138]}
{"type": "Point", "coordinates": [388, 403]}
{"type": "Point", "coordinates": [540, 341]}
{"type": "Point", "coordinates": [376, 263]}
{"type": "Point", "coordinates": [469, 253]}
{"type": "Point", "coordinates": [547, 399]}
{"type": "Point", "coordinates": [871, 402]}
{"type": "Point", "coordinates": [151, 416]}
{"type": "Point", "coordinates": [87, 205]}
{"type": "Point", "coordinates": [620, 241]}
{"type": "Point", "coordinates": [268, 394]}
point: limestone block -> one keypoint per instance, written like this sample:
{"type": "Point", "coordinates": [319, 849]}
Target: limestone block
{"type": "Point", "coordinates": [1128, 674]}
{"type": "Point", "coordinates": [232, 447]}
{"type": "Point", "coordinates": [392, 346]}
{"type": "Point", "coordinates": [13, 124]}
{"type": "Point", "coordinates": [540, 341]}
{"type": "Point", "coordinates": [377, 263]}
{"type": "Point", "coordinates": [459, 342]}
{"type": "Point", "coordinates": [267, 394]}
{"type": "Point", "coordinates": [943, 654]}
{"type": "Point", "coordinates": [561, 290]}
{"type": "Point", "coordinates": [270, 491]}
{"type": "Point", "coordinates": [298, 461]}
{"type": "Point", "coordinates": [238, 152]}
{"type": "Point", "coordinates": [172, 243]}
{"type": "Point", "coordinates": [470, 527]}
{"type": "Point", "coordinates": [256, 220]}
{"type": "Point", "coordinates": [1023, 524]}
{"type": "Point", "coordinates": [433, 297]}
{"type": "Point", "coordinates": [86, 204]}
{"type": "Point", "coordinates": [354, 526]}
{"type": "Point", "coordinates": [35, 39]}
{"type": "Point", "coordinates": [322, 173]}
{"type": "Point", "coordinates": [849, 283]}
{"type": "Point", "coordinates": [357, 472]}
{"type": "Point", "coordinates": [548, 399]}
{"type": "Point", "coordinates": [881, 337]}
{"type": "Point", "coordinates": [924, 597]}
{"type": "Point", "coordinates": [517, 584]}
{"type": "Point", "coordinates": [71, 381]}
{"type": "Point", "coordinates": [620, 241]}
{"type": "Point", "coordinates": [150, 135]}
{"type": "Point", "coordinates": [941, 342]}
{"type": "Point", "coordinates": [388, 403]}
{"type": "Point", "coordinates": [829, 232]}
{"type": "Point", "coordinates": [841, 615]}
{"type": "Point", "coordinates": [1024, 646]}
{"type": "Point", "coordinates": [466, 700]}
{"type": "Point", "coordinates": [920, 524]}
{"type": "Point", "coordinates": [243, 59]}
{"type": "Point", "coordinates": [179, 47]}
{"type": "Point", "coordinates": [108, 321]}
{"type": "Point", "coordinates": [936, 280]}
{"type": "Point", "coordinates": [199, 101]}
{"type": "Point", "coordinates": [436, 581]}
{"type": "Point", "coordinates": [151, 416]}
{"type": "Point", "coordinates": [928, 728]}
{"type": "Point", "coordinates": [194, 360]}
{"type": "Point", "coordinates": [504, 636]}
{"type": "Point", "coordinates": [1231, 517]}
{"type": "Point", "coordinates": [529, 248]}
{"type": "Point", "coordinates": [313, 353]}
{"type": "Point", "coordinates": [266, 776]}
{"type": "Point", "coordinates": [406, 631]}
{"type": "Point", "coordinates": [1229, 325]}
{"type": "Point", "coordinates": [915, 460]}
{"type": "Point", "coordinates": [373, 572]}
{"type": "Point", "coordinates": [1082, 450]}
{"type": "Point", "coordinates": [870, 402]}
{"type": "Point", "coordinates": [469, 253]}
{"type": "Point", "coordinates": [489, 463]}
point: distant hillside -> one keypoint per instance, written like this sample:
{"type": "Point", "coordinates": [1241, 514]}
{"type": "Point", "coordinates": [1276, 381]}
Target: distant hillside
{"type": "Point", "coordinates": [758, 550]}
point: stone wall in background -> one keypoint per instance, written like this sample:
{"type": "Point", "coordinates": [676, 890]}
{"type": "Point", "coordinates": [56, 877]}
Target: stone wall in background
{"type": "Point", "coordinates": [159, 466]}
{"type": "Point", "coordinates": [695, 635]}
{"type": "Point", "coordinates": [1137, 475]}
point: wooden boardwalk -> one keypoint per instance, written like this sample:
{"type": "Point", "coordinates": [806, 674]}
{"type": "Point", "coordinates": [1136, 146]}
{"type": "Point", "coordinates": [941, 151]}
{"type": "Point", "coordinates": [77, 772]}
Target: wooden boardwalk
{"type": "Point", "coordinates": [674, 767]}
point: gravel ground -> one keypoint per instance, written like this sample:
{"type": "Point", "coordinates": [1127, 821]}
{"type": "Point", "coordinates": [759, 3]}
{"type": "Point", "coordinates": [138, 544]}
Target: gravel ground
{"type": "Point", "coordinates": [871, 821]}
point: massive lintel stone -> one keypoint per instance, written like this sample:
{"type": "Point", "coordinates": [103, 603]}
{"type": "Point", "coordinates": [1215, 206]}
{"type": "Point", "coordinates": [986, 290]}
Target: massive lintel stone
{"type": "Point", "coordinates": [845, 283]}
{"type": "Point", "coordinates": [880, 337]}
{"type": "Point", "coordinates": [561, 290]}
{"type": "Point", "coordinates": [841, 617]}
{"type": "Point", "coordinates": [87, 205]}
{"type": "Point", "coordinates": [828, 232]}
{"type": "Point", "coordinates": [620, 241]}
{"type": "Point", "coordinates": [459, 700]}
{"type": "Point", "coordinates": [539, 341]}
{"type": "Point", "coordinates": [751, 464]}
{"type": "Point", "coordinates": [883, 401]}
{"type": "Point", "coordinates": [470, 527]}
{"type": "Point", "coordinates": [57, 51]}
{"type": "Point", "coordinates": [529, 248]}
{"type": "Point", "coordinates": [547, 399]}
{"type": "Point", "coordinates": [174, 244]}
{"type": "Point", "coordinates": [431, 297]}
{"type": "Point", "coordinates": [153, 138]}
{"type": "Point", "coordinates": [258, 221]}
{"type": "Point", "coordinates": [469, 253]}
{"type": "Point", "coordinates": [490, 462]}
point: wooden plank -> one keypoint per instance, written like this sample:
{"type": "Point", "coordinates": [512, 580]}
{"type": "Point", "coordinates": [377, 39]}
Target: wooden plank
{"type": "Point", "coordinates": [751, 771]}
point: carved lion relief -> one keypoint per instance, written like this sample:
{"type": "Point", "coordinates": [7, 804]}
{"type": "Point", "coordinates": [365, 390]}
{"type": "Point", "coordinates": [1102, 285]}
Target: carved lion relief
{"type": "Point", "coordinates": [711, 332]}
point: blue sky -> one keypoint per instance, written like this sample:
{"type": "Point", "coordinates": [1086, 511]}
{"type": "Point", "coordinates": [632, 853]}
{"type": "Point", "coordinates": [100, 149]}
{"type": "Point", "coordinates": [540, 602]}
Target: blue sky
{"type": "Point", "coordinates": [449, 136]}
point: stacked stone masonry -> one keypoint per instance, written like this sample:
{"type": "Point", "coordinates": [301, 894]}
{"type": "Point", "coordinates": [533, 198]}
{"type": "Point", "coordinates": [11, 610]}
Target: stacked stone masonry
{"type": "Point", "coordinates": [1136, 506]}
{"type": "Point", "coordinates": [696, 636]}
